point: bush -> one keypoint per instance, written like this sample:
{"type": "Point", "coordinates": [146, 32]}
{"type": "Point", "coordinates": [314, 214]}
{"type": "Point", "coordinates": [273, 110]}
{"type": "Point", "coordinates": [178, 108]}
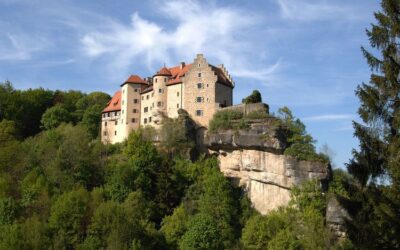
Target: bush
{"type": "Point", "coordinates": [255, 97]}
{"type": "Point", "coordinates": [223, 120]}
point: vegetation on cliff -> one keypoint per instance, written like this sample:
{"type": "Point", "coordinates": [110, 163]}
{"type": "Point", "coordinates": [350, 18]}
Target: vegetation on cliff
{"type": "Point", "coordinates": [61, 188]}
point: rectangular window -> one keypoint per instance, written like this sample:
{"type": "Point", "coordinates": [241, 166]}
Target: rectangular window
{"type": "Point", "coordinates": [105, 124]}
{"type": "Point", "coordinates": [135, 101]}
{"type": "Point", "coordinates": [146, 109]}
{"type": "Point", "coordinates": [115, 132]}
{"type": "Point", "coordinates": [199, 75]}
{"type": "Point", "coordinates": [199, 99]}
{"type": "Point", "coordinates": [160, 91]}
{"type": "Point", "coordinates": [150, 119]}
{"type": "Point", "coordinates": [116, 122]}
{"type": "Point", "coordinates": [136, 90]}
{"type": "Point", "coordinates": [115, 113]}
{"type": "Point", "coordinates": [177, 93]}
{"type": "Point", "coordinates": [134, 111]}
{"type": "Point", "coordinates": [159, 104]}
{"type": "Point", "coordinates": [165, 79]}
{"type": "Point", "coordinates": [152, 94]}
{"type": "Point", "coordinates": [105, 133]}
{"type": "Point", "coordinates": [155, 80]}
{"type": "Point", "coordinates": [199, 112]}
{"type": "Point", "coordinates": [177, 105]}
{"type": "Point", "coordinates": [108, 114]}
{"type": "Point", "coordinates": [147, 97]}
{"type": "Point", "coordinates": [199, 85]}
{"type": "Point", "coordinates": [145, 120]}
{"type": "Point", "coordinates": [133, 120]}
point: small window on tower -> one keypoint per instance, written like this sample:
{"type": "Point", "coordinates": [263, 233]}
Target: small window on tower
{"type": "Point", "coordinates": [199, 74]}
{"type": "Point", "coordinates": [199, 112]}
{"type": "Point", "coordinates": [105, 124]}
{"type": "Point", "coordinates": [135, 101]}
{"type": "Point", "coordinates": [147, 97]}
{"type": "Point", "coordinates": [199, 85]}
{"type": "Point", "coordinates": [133, 120]}
{"type": "Point", "coordinates": [115, 132]}
{"type": "Point", "coordinates": [177, 105]}
{"type": "Point", "coordinates": [165, 79]}
{"type": "Point", "coordinates": [146, 109]}
{"type": "Point", "coordinates": [199, 99]}
{"type": "Point", "coordinates": [155, 80]}
{"type": "Point", "coordinates": [160, 91]}
{"type": "Point", "coordinates": [136, 90]}
{"type": "Point", "coordinates": [116, 122]}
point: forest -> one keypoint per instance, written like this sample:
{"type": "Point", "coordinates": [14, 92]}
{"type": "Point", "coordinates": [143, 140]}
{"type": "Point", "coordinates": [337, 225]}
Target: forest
{"type": "Point", "coordinates": [61, 188]}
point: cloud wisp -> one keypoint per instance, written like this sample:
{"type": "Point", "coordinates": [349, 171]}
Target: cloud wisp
{"type": "Point", "coordinates": [328, 117]}
{"type": "Point", "coordinates": [309, 10]}
{"type": "Point", "coordinates": [220, 32]}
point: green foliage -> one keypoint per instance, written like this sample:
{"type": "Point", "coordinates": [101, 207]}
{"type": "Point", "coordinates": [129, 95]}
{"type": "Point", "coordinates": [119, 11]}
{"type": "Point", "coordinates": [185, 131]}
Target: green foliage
{"type": "Point", "coordinates": [255, 97]}
{"type": "Point", "coordinates": [298, 226]}
{"type": "Point", "coordinates": [54, 116]}
{"type": "Point", "coordinates": [69, 218]}
{"type": "Point", "coordinates": [300, 143]}
{"type": "Point", "coordinates": [8, 210]}
{"type": "Point", "coordinates": [374, 198]}
{"type": "Point", "coordinates": [224, 120]}
{"type": "Point", "coordinates": [92, 119]}
{"type": "Point", "coordinates": [202, 234]}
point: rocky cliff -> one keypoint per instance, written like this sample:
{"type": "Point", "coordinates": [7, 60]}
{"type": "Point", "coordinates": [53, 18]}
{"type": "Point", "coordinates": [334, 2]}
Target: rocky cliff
{"type": "Point", "coordinates": [253, 158]}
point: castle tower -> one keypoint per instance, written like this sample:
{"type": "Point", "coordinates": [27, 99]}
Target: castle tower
{"type": "Point", "coordinates": [130, 104]}
{"type": "Point", "coordinates": [160, 81]}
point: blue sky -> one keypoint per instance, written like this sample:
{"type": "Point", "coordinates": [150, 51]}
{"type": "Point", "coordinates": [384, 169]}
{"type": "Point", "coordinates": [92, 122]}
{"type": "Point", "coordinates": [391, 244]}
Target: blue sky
{"type": "Point", "coordinates": [304, 54]}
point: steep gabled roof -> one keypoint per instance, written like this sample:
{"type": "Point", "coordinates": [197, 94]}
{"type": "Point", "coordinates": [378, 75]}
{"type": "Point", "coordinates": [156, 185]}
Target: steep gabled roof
{"type": "Point", "coordinates": [222, 78]}
{"type": "Point", "coordinates": [114, 104]}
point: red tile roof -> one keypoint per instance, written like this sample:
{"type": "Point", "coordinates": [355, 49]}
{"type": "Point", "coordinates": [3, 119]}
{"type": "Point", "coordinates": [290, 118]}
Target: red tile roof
{"type": "Point", "coordinates": [135, 79]}
{"type": "Point", "coordinates": [148, 89]}
{"type": "Point", "coordinates": [164, 72]}
{"type": "Point", "coordinates": [177, 73]}
{"type": "Point", "coordinates": [114, 104]}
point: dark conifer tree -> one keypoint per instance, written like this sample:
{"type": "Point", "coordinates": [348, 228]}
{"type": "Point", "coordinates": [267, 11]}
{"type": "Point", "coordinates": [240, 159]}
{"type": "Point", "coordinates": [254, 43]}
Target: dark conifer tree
{"type": "Point", "coordinates": [374, 205]}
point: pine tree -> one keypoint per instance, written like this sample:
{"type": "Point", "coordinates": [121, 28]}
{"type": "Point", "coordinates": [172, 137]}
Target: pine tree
{"type": "Point", "coordinates": [375, 197]}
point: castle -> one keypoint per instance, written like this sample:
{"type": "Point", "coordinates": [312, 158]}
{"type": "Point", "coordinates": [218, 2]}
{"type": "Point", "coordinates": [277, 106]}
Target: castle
{"type": "Point", "coordinates": [199, 88]}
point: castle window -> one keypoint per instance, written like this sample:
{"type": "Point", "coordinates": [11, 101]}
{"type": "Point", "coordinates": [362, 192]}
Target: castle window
{"type": "Point", "coordinates": [199, 99]}
{"type": "Point", "coordinates": [108, 114]}
{"type": "Point", "coordinates": [145, 120]}
{"type": "Point", "coordinates": [146, 109]}
{"type": "Point", "coordinates": [165, 79]}
{"type": "Point", "coordinates": [115, 132]}
{"type": "Point", "coordinates": [177, 105]}
{"type": "Point", "coordinates": [133, 120]}
{"type": "Point", "coordinates": [115, 113]}
{"type": "Point", "coordinates": [134, 111]}
{"type": "Point", "coordinates": [199, 65]}
{"type": "Point", "coordinates": [199, 85]}
{"type": "Point", "coordinates": [147, 97]}
{"type": "Point", "coordinates": [150, 119]}
{"type": "Point", "coordinates": [155, 80]}
{"type": "Point", "coordinates": [116, 122]}
{"type": "Point", "coordinates": [159, 104]}
{"type": "Point", "coordinates": [105, 124]}
{"type": "Point", "coordinates": [142, 97]}
{"type": "Point", "coordinates": [105, 133]}
{"type": "Point", "coordinates": [199, 112]}
{"type": "Point", "coordinates": [135, 101]}
{"type": "Point", "coordinates": [136, 90]}
{"type": "Point", "coordinates": [177, 93]}
{"type": "Point", "coordinates": [160, 91]}
{"type": "Point", "coordinates": [199, 74]}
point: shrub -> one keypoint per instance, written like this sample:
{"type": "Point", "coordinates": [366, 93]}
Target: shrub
{"type": "Point", "coordinates": [255, 97]}
{"type": "Point", "coordinates": [223, 119]}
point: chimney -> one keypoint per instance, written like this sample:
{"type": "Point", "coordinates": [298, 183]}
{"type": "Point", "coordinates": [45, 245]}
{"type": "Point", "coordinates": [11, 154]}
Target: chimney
{"type": "Point", "coordinates": [182, 65]}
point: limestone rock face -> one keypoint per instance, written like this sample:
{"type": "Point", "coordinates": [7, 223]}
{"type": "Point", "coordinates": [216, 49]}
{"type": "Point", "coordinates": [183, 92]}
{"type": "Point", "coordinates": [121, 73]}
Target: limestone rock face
{"type": "Point", "coordinates": [254, 159]}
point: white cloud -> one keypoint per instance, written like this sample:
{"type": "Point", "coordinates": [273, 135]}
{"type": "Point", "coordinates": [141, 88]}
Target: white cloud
{"type": "Point", "coordinates": [218, 32]}
{"type": "Point", "coordinates": [20, 47]}
{"type": "Point", "coordinates": [311, 10]}
{"type": "Point", "coordinates": [329, 117]}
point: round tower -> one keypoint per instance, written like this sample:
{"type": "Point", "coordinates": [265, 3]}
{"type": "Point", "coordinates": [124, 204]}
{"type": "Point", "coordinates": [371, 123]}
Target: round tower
{"type": "Point", "coordinates": [160, 81]}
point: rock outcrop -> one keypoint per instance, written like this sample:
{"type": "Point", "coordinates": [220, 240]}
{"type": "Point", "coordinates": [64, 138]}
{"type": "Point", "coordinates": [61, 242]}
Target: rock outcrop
{"type": "Point", "coordinates": [254, 159]}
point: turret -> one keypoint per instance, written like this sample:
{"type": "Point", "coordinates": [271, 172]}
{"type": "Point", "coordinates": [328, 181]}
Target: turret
{"type": "Point", "coordinates": [160, 81]}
